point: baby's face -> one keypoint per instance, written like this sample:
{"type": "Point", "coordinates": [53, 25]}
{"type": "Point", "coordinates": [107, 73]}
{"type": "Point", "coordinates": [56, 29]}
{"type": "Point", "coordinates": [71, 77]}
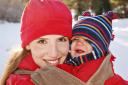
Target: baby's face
{"type": "Point", "coordinates": [80, 46]}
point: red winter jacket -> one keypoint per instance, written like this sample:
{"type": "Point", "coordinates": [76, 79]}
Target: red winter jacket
{"type": "Point", "coordinates": [86, 70]}
{"type": "Point", "coordinates": [83, 72]}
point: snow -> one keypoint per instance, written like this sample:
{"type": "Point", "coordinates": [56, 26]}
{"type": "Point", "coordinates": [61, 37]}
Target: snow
{"type": "Point", "coordinates": [119, 47]}
{"type": "Point", "coordinates": [10, 38]}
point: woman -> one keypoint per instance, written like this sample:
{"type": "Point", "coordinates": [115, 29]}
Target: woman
{"type": "Point", "coordinates": [45, 30]}
{"type": "Point", "coordinates": [46, 27]}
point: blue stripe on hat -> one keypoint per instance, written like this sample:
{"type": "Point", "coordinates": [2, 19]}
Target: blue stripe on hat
{"type": "Point", "coordinates": [92, 30]}
{"type": "Point", "coordinates": [93, 20]}
{"type": "Point", "coordinates": [103, 25]}
{"type": "Point", "coordinates": [98, 28]}
{"type": "Point", "coordinates": [104, 20]}
{"type": "Point", "coordinates": [93, 34]}
{"type": "Point", "coordinates": [96, 50]}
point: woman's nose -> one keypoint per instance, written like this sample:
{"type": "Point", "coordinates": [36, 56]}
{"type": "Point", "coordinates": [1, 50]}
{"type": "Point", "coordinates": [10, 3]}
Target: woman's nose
{"type": "Point", "coordinates": [53, 51]}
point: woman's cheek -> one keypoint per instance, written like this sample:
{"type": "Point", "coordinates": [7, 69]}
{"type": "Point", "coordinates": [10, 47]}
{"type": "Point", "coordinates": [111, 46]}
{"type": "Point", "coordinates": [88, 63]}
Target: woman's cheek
{"type": "Point", "coordinates": [66, 49]}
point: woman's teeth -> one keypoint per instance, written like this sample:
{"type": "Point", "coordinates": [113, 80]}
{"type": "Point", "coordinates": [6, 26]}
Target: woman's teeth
{"type": "Point", "coordinates": [53, 62]}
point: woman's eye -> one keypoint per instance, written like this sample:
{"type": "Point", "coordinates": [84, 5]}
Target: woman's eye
{"type": "Point", "coordinates": [63, 39]}
{"type": "Point", "coordinates": [42, 42]}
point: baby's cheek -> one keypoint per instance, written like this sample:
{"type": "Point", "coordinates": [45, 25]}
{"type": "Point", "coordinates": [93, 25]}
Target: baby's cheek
{"type": "Point", "coordinates": [73, 45]}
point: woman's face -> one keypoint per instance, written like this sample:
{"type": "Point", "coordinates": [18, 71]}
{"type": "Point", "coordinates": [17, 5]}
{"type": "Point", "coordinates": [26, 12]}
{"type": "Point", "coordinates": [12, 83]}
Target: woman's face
{"type": "Point", "coordinates": [80, 46]}
{"type": "Point", "coordinates": [49, 49]}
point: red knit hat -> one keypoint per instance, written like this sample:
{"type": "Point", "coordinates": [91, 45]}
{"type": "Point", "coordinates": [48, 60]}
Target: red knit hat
{"type": "Point", "coordinates": [45, 17]}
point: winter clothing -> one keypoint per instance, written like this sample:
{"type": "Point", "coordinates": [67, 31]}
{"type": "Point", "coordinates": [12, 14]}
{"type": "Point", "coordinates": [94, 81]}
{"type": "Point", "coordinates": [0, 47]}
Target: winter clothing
{"type": "Point", "coordinates": [52, 74]}
{"type": "Point", "coordinates": [97, 30]}
{"type": "Point", "coordinates": [60, 77]}
{"type": "Point", "coordinates": [41, 77]}
{"type": "Point", "coordinates": [28, 64]}
{"type": "Point", "coordinates": [44, 17]}
{"type": "Point", "coordinates": [76, 61]}
{"type": "Point", "coordinates": [84, 72]}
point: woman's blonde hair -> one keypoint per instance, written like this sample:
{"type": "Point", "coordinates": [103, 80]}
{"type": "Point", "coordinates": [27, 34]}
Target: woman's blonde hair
{"type": "Point", "coordinates": [12, 64]}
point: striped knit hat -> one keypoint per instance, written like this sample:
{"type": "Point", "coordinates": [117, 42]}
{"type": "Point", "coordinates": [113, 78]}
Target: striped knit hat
{"type": "Point", "coordinates": [97, 30]}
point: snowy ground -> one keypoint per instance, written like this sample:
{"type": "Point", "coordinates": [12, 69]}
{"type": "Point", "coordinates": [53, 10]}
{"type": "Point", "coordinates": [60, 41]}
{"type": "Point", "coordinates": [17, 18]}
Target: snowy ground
{"type": "Point", "coordinates": [9, 38]}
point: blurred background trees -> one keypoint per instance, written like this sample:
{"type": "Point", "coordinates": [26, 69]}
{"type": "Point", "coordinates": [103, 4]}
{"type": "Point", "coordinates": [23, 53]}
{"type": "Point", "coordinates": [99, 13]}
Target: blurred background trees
{"type": "Point", "coordinates": [121, 7]}
{"type": "Point", "coordinates": [99, 6]}
{"type": "Point", "coordinates": [10, 10]}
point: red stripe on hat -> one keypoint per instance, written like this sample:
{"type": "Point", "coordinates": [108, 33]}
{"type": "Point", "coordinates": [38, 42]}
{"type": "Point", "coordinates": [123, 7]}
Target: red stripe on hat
{"type": "Point", "coordinates": [90, 23]}
{"type": "Point", "coordinates": [90, 37]}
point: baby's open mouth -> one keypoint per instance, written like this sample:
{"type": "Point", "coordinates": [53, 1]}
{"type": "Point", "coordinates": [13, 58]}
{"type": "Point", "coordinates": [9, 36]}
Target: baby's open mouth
{"type": "Point", "coordinates": [79, 51]}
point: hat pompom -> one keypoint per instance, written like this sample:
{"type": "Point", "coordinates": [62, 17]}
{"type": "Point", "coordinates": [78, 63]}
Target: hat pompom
{"type": "Point", "coordinates": [112, 15]}
{"type": "Point", "coordinates": [86, 13]}
{"type": "Point", "coordinates": [113, 36]}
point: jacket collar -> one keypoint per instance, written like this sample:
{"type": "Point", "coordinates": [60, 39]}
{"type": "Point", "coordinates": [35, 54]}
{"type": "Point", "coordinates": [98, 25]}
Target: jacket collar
{"type": "Point", "coordinates": [28, 63]}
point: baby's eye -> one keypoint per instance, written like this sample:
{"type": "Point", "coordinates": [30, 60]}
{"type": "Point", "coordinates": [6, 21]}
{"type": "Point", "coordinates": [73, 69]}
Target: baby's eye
{"type": "Point", "coordinates": [75, 39]}
{"type": "Point", "coordinates": [42, 41]}
{"type": "Point", "coordinates": [63, 39]}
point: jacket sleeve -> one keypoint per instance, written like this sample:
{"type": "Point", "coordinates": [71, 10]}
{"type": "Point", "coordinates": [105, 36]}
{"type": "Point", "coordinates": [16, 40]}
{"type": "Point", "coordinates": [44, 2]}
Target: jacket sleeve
{"type": "Point", "coordinates": [116, 80]}
{"type": "Point", "coordinates": [16, 79]}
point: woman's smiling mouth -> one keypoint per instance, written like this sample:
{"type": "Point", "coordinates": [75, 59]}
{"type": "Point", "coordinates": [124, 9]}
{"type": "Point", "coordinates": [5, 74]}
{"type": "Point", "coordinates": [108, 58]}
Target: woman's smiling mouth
{"type": "Point", "coordinates": [52, 62]}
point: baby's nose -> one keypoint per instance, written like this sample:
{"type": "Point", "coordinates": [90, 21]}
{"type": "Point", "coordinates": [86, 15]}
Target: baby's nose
{"type": "Point", "coordinates": [79, 43]}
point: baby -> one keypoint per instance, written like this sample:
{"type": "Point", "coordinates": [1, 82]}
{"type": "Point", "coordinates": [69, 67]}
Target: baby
{"type": "Point", "coordinates": [91, 38]}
